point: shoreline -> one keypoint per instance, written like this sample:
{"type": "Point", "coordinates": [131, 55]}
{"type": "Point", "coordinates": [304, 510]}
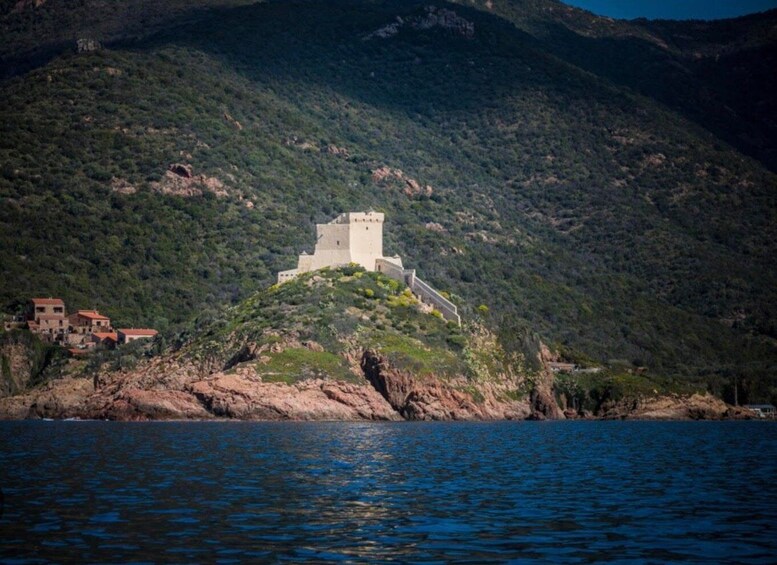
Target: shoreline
{"type": "Point", "coordinates": [383, 422]}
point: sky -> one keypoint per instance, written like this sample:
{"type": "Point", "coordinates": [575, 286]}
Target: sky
{"type": "Point", "coordinates": [674, 9]}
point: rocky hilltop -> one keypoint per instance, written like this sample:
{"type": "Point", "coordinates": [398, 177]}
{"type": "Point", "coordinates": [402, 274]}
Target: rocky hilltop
{"type": "Point", "coordinates": [340, 344]}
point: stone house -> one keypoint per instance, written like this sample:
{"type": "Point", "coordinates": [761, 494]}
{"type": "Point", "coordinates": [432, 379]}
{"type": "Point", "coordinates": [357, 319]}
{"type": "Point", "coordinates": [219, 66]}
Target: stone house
{"type": "Point", "coordinates": [46, 307]}
{"type": "Point", "coordinates": [126, 335]}
{"type": "Point", "coordinates": [46, 317]}
{"type": "Point", "coordinates": [105, 339]}
{"type": "Point", "coordinates": [86, 322]}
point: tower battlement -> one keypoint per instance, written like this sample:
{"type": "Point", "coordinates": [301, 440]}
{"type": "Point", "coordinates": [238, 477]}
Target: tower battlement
{"type": "Point", "coordinates": [357, 217]}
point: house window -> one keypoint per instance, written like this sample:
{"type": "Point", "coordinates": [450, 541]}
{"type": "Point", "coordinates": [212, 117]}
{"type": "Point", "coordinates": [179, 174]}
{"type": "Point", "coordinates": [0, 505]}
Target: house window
{"type": "Point", "coordinates": [338, 243]}
{"type": "Point", "coordinates": [57, 309]}
{"type": "Point", "coordinates": [40, 309]}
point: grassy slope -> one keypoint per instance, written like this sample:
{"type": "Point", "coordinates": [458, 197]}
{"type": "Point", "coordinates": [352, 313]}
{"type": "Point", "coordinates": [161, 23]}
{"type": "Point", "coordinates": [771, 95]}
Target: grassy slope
{"type": "Point", "coordinates": [343, 312]}
{"type": "Point", "coordinates": [550, 183]}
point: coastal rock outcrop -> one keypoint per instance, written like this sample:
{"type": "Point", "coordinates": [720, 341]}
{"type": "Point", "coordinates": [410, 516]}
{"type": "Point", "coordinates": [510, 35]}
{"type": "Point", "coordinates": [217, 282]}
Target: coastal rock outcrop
{"type": "Point", "coordinates": [138, 404]}
{"type": "Point", "coordinates": [334, 344]}
{"type": "Point", "coordinates": [433, 398]}
{"type": "Point", "coordinates": [246, 397]}
{"type": "Point", "coordinates": [17, 364]}
{"type": "Point", "coordinates": [163, 392]}
{"type": "Point", "coordinates": [388, 395]}
{"type": "Point", "coordinates": [672, 407]}
{"type": "Point", "coordinates": [61, 398]}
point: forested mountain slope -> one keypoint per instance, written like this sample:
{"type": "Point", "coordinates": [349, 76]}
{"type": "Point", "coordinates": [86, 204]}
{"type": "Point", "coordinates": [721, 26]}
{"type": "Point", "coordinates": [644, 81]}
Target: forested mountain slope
{"type": "Point", "coordinates": [565, 198]}
{"type": "Point", "coordinates": [718, 74]}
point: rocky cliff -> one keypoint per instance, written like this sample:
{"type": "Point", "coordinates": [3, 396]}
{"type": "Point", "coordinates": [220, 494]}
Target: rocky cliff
{"type": "Point", "coordinates": [385, 393]}
{"type": "Point", "coordinates": [24, 361]}
{"type": "Point", "coordinates": [345, 345]}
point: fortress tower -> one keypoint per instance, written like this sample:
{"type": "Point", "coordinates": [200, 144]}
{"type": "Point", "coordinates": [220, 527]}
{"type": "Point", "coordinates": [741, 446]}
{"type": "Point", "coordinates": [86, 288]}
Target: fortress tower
{"type": "Point", "coordinates": [352, 237]}
{"type": "Point", "coordinates": [357, 237]}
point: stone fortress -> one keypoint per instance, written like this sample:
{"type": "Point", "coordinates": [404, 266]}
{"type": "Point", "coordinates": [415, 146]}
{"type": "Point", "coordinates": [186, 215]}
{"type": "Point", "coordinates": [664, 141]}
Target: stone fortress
{"type": "Point", "coordinates": [353, 237]}
{"type": "Point", "coordinates": [357, 237]}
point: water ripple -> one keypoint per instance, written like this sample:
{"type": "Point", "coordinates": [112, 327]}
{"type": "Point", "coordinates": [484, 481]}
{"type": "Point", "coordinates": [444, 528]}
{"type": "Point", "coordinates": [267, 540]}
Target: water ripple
{"type": "Point", "coordinates": [568, 492]}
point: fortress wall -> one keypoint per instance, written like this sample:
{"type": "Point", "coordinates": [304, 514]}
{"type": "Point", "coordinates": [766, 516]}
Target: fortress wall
{"type": "Point", "coordinates": [332, 246]}
{"type": "Point", "coordinates": [391, 270]}
{"type": "Point", "coordinates": [285, 276]}
{"type": "Point", "coordinates": [447, 308]}
{"type": "Point", "coordinates": [425, 292]}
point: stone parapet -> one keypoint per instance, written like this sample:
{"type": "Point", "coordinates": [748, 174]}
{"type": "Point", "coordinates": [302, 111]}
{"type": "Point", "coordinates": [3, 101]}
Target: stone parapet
{"type": "Point", "coordinates": [426, 293]}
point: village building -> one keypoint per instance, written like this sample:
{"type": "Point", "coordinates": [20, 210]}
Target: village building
{"type": "Point", "coordinates": [561, 367]}
{"type": "Point", "coordinates": [14, 322]}
{"type": "Point", "coordinates": [46, 317]}
{"type": "Point", "coordinates": [762, 410]}
{"type": "Point", "coordinates": [83, 330]}
{"type": "Point", "coordinates": [84, 322]}
{"type": "Point", "coordinates": [357, 237]}
{"type": "Point", "coordinates": [108, 340]}
{"type": "Point", "coordinates": [127, 335]}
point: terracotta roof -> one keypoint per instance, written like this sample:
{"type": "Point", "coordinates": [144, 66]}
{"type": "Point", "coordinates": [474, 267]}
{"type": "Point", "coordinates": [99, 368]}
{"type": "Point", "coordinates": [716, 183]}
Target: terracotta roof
{"type": "Point", "coordinates": [138, 331]}
{"type": "Point", "coordinates": [75, 351]}
{"type": "Point", "coordinates": [106, 335]}
{"type": "Point", "coordinates": [48, 301]}
{"type": "Point", "coordinates": [91, 314]}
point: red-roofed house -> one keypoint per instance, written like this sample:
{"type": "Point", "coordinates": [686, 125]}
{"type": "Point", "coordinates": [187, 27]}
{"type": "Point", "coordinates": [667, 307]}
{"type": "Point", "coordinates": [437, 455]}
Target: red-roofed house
{"type": "Point", "coordinates": [106, 339]}
{"type": "Point", "coordinates": [127, 335]}
{"type": "Point", "coordinates": [46, 316]}
{"type": "Point", "coordinates": [89, 321]}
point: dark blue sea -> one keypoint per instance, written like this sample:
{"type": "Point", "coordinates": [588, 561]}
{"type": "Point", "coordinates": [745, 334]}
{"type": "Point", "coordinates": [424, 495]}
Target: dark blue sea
{"type": "Point", "coordinates": [552, 492]}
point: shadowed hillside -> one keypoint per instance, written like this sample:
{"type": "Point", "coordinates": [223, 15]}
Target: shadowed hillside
{"type": "Point", "coordinates": [718, 74]}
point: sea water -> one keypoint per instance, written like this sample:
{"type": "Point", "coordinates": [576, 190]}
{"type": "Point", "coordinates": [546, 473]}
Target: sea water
{"type": "Point", "coordinates": [557, 492]}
